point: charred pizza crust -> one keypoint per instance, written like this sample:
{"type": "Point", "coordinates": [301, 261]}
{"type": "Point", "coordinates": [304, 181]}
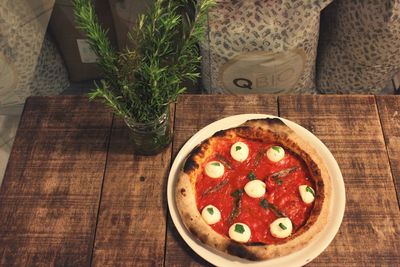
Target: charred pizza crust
{"type": "Point", "coordinates": [273, 130]}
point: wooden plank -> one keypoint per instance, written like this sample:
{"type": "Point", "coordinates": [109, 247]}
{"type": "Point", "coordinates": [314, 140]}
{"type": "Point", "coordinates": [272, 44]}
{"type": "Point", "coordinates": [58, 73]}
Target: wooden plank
{"type": "Point", "coordinates": [350, 127]}
{"type": "Point", "coordinates": [133, 210]}
{"type": "Point", "coordinates": [193, 112]}
{"type": "Point", "coordinates": [51, 191]}
{"type": "Point", "coordinates": [389, 111]}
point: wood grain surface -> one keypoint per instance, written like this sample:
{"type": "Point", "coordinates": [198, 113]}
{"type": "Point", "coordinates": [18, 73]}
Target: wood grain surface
{"type": "Point", "coordinates": [389, 111]}
{"type": "Point", "coordinates": [350, 127]}
{"type": "Point", "coordinates": [75, 193]}
{"type": "Point", "coordinates": [132, 218]}
{"type": "Point", "coordinates": [193, 113]}
{"type": "Point", "coordinates": [51, 190]}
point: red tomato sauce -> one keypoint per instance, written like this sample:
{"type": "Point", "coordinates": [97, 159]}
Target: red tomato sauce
{"type": "Point", "coordinates": [283, 193]}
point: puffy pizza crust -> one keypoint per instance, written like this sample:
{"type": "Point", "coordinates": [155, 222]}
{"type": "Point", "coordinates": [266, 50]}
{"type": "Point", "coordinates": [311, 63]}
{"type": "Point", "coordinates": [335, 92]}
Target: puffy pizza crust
{"type": "Point", "coordinates": [270, 130]}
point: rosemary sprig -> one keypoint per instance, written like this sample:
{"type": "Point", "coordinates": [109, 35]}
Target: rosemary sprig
{"type": "Point", "coordinates": [144, 78]}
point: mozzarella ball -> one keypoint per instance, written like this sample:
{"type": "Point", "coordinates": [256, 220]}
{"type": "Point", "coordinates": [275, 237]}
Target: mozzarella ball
{"type": "Point", "coordinates": [211, 214]}
{"type": "Point", "coordinates": [307, 194]}
{"type": "Point", "coordinates": [275, 153]}
{"type": "Point", "coordinates": [281, 228]}
{"type": "Point", "coordinates": [239, 151]}
{"type": "Point", "coordinates": [255, 188]}
{"type": "Point", "coordinates": [240, 232]}
{"type": "Point", "coordinates": [215, 169]}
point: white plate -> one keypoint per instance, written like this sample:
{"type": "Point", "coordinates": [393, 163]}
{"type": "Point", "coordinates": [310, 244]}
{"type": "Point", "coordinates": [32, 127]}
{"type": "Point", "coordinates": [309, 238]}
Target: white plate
{"type": "Point", "coordinates": [298, 258]}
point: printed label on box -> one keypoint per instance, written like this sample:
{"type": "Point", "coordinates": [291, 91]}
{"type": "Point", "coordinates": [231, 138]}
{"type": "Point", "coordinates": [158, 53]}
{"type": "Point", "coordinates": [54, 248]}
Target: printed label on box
{"type": "Point", "coordinates": [263, 72]}
{"type": "Point", "coordinates": [86, 53]}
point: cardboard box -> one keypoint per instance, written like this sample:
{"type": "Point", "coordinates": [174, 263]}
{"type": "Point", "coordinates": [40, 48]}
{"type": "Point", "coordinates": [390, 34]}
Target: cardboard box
{"type": "Point", "coordinates": [125, 14]}
{"type": "Point", "coordinates": [261, 47]}
{"type": "Point", "coordinates": [359, 46]}
{"type": "Point", "coordinates": [50, 76]}
{"type": "Point", "coordinates": [79, 58]}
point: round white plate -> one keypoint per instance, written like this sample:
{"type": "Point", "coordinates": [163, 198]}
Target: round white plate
{"type": "Point", "coordinates": [298, 258]}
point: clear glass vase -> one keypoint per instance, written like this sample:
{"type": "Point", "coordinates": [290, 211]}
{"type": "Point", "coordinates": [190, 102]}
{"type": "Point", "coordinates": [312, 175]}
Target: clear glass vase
{"type": "Point", "coordinates": [152, 137]}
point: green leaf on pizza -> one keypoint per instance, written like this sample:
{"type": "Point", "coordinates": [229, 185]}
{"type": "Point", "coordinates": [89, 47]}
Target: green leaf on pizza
{"type": "Point", "coordinates": [251, 176]}
{"type": "Point", "coordinates": [310, 190]}
{"type": "Point", "coordinates": [276, 148]}
{"type": "Point", "coordinates": [282, 226]}
{"type": "Point", "coordinates": [264, 203]}
{"type": "Point", "coordinates": [210, 210]}
{"type": "Point", "coordinates": [237, 193]}
{"type": "Point", "coordinates": [239, 228]}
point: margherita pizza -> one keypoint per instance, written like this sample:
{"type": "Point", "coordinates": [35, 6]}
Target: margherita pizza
{"type": "Point", "coordinates": [257, 191]}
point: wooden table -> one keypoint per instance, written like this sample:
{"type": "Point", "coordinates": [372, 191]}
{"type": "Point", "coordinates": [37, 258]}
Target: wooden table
{"type": "Point", "coordinates": [74, 194]}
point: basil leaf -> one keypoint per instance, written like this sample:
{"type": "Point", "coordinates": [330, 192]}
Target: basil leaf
{"type": "Point", "coordinates": [239, 228]}
{"type": "Point", "coordinates": [251, 176]}
{"type": "Point", "coordinates": [210, 210]}
{"type": "Point", "coordinates": [282, 226]}
{"type": "Point", "coordinates": [238, 193]}
{"type": "Point", "coordinates": [238, 148]}
{"type": "Point", "coordinates": [309, 189]}
{"type": "Point", "coordinates": [264, 203]}
{"type": "Point", "coordinates": [276, 148]}
{"type": "Point", "coordinates": [215, 164]}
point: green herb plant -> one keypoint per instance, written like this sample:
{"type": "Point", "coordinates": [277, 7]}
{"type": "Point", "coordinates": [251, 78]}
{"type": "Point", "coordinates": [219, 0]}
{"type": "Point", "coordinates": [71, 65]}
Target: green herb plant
{"type": "Point", "coordinates": [144, 78]}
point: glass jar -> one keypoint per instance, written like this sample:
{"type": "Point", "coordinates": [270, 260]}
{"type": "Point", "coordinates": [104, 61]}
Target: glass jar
{"type": "Point", "coordinates": [152, 137]}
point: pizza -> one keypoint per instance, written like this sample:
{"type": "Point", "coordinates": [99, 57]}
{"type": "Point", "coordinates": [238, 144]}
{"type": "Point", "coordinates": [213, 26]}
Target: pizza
{"type": "Point", "coordinates": [257, 191]}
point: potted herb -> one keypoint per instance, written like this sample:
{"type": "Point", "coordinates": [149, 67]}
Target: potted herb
{"type": "Point", "coordinates": [141, 81]}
